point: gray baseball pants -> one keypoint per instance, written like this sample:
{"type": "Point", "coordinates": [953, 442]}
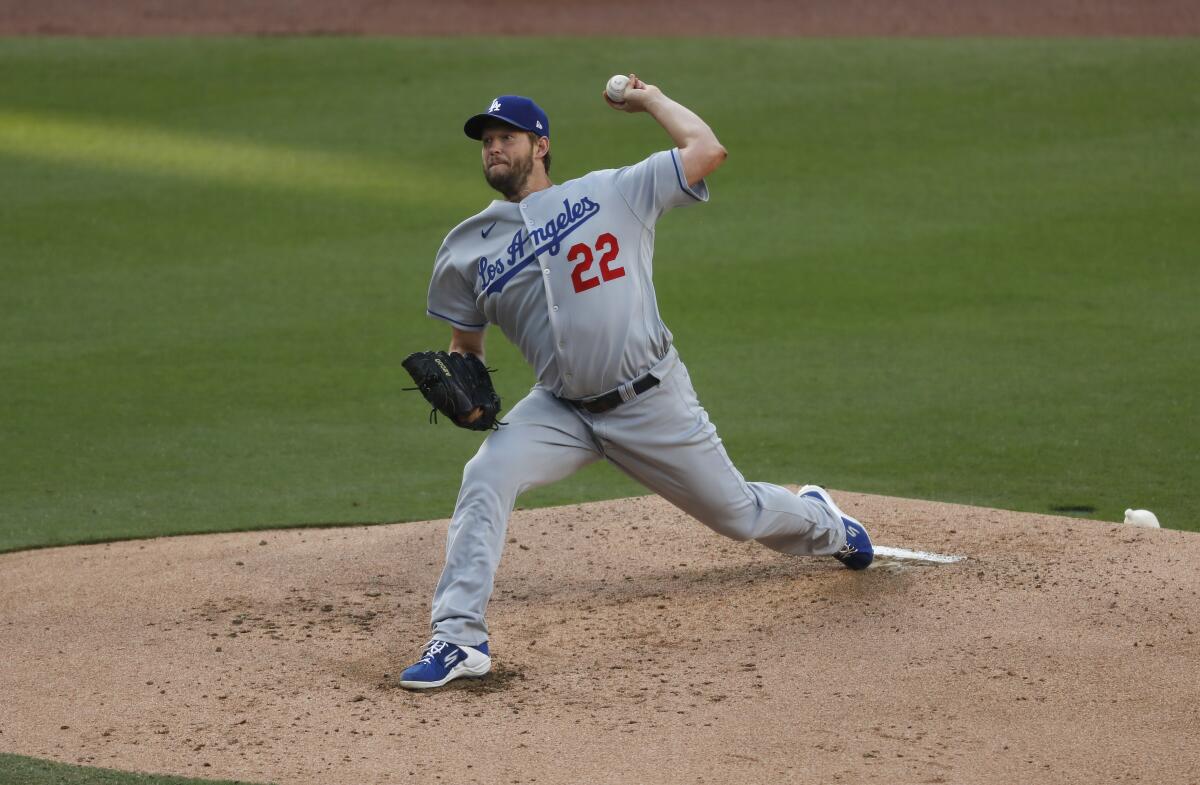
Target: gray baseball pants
{"type": "Point", "coordinates": [663, 439]}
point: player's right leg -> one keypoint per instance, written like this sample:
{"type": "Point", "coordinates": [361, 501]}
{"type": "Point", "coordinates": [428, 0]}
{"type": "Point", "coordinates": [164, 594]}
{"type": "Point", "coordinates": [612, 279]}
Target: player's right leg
{"type": "Point", "coordinates": [665, 440]}
{"type": "Point", "coordinates": [543, 440]}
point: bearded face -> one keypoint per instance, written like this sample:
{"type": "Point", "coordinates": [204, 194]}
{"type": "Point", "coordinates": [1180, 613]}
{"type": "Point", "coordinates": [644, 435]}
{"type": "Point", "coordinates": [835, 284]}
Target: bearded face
{"type": "Point", "coordinates": [508, 173]}
{"type": "Point", "coordinates": [508, 156]}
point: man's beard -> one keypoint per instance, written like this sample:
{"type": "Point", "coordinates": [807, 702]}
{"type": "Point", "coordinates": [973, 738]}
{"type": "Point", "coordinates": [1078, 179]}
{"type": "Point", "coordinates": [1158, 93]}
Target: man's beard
{"type": "Point", "coordinates": [510, 182]}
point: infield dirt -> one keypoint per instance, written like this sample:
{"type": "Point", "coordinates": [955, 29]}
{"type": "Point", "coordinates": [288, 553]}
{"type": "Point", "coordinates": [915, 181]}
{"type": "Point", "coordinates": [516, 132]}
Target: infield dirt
{"type": "Point", "coordinates": [631, 645]}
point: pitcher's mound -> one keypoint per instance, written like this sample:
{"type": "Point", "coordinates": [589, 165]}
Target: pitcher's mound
{"type": "Point", "coordinates": [631, 645]}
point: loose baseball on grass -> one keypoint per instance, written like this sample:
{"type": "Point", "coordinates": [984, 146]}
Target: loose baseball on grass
{"type": "Point", "coordinates": [615, 90]}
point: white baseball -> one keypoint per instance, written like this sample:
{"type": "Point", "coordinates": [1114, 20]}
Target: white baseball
{"type": "Point", "coordinates": [616, 88]}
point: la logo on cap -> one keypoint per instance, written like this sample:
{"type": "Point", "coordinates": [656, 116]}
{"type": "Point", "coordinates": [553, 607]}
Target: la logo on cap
{"type": "Point", "coordinates": [495, 107]}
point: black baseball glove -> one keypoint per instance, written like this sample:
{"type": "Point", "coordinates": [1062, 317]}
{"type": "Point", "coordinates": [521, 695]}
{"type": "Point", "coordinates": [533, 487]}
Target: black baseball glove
{"type": "Point", "coordinates": [456, 385]}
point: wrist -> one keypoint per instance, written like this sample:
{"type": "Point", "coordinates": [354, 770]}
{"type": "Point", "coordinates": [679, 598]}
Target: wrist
{"type": "Point", "coordinates": [655, 99]}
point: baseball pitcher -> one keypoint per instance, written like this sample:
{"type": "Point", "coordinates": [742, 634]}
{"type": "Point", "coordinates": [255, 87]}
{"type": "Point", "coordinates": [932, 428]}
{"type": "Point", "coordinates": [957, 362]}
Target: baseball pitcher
{"type": "Point", "coordinates": [566, 272]}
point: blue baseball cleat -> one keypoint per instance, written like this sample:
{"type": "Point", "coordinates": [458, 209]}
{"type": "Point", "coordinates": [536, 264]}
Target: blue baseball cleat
{"type": "Point", "coordinates": [443, 661]}
{"type": "Point", "coordinates": [857, 553]}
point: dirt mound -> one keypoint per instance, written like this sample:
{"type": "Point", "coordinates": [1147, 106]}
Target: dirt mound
{"type": "Point", "coordinates": [616, 17]}
{"type": "Point", "coordinates": [631, 645]}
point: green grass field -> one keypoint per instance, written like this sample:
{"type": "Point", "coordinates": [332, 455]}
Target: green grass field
{"type": "Point", "coordinates": [20, 770]}
{"type": "Point", "coordinates": [960, 270]}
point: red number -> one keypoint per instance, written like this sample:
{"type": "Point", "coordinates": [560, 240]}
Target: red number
{"type": "Point", "coordinates": [605, 242]}
{"type": "Point", "coordinates": [606, 272]}
{"type": "Point", "coordinates": [581, 284]}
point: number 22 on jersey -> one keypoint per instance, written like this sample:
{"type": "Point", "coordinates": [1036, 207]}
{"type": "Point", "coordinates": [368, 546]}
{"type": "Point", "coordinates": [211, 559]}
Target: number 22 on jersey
{"type": "Point", "coordinates": [581, 256]}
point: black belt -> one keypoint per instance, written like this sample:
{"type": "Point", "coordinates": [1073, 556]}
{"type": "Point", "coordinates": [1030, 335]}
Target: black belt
{"type": "Point", "coordinates": [612, 400]}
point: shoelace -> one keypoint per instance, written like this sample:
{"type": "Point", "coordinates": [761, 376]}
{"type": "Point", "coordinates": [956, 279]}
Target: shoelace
{"type": "Point", "coordinates": [847, 549]}
{"type": "Point", "coordinates": [432, 649]}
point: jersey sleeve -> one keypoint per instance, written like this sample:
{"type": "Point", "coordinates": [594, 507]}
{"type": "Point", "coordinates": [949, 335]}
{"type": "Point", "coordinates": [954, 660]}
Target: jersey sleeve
{"type": "Point", "coordinates": [655, 185]}
{"type": "Point", "coordinates": [452, 296]}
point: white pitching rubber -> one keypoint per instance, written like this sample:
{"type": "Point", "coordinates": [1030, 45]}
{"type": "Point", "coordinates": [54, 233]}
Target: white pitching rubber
{"type": "Point", "coordinates": [904, 554]}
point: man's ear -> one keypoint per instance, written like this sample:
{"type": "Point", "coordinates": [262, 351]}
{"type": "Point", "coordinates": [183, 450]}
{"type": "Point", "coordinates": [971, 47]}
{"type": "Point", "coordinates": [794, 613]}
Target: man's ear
{"type": "Point", "coordinates": [543, 147]}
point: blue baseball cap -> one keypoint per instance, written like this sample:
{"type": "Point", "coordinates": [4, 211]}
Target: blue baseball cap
{"type": "Point", "coordinates": [516, 110]}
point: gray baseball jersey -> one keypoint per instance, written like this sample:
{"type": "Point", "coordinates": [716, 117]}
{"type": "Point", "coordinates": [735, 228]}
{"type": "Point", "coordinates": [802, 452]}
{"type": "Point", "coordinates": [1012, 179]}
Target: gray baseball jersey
{"type": "Point", "coordinates": [567, 274]}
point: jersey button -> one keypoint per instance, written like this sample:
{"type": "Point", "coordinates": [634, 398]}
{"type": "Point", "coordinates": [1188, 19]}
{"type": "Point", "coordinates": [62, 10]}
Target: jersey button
{"type": "Point", "coordinates": [556, 307]}
{"type": "Point", "coordinates": [546, 270]}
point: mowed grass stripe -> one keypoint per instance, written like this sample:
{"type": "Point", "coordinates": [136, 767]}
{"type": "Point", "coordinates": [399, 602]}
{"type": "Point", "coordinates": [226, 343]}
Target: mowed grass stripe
{"type": "Point", "coordinates": [133, 150]}
{"type": "Point", "coordinates": [962, 270]}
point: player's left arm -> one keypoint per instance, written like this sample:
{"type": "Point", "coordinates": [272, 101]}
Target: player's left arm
{"type": "Point", "coordinates": [467, 342]}
{"type": "Point", "coordinates": [698, 146]}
